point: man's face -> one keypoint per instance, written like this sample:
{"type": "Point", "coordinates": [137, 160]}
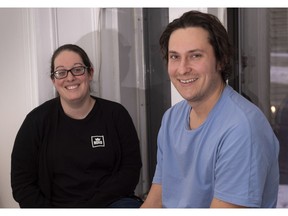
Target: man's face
{"type": "Point", "coordinates": [192, 64]}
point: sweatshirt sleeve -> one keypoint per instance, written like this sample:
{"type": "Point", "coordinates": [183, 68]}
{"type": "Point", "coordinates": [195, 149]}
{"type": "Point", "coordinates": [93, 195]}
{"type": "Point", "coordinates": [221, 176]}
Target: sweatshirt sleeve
{"type": "Point", "coordinates": [126, 177]}
{"type": "Point", "coordinates": [24, 166]}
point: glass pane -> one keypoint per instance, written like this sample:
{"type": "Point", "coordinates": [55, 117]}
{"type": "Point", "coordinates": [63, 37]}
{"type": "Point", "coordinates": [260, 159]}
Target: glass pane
{"type": "Point", "coordinates": [264, 74]}
{"type": "Point", "coordinates": [279, 91]}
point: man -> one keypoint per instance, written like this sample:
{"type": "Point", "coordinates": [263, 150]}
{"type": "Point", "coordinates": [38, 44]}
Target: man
{"type": "Point", "coordinates": [215, 148]}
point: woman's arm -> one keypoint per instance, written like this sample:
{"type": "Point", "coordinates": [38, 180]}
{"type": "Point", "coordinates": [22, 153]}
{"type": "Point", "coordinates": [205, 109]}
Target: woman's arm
{"type": "Point", "coordinates": [24, 167]}
{"type": "Point", "coordinates": [125, 176]}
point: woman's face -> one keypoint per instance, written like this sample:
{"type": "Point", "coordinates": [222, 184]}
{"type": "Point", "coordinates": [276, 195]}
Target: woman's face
{"type": "Point", "coordinates": [72, 89]}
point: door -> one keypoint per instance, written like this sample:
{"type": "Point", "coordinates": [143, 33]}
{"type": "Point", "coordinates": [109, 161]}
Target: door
{"type": "Point", "coordinates": [261, 71]}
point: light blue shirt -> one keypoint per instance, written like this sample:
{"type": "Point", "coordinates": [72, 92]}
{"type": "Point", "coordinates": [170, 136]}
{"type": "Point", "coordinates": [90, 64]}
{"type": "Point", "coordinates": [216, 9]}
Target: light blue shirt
{"type": "Point", "coordinates": [232, 156]}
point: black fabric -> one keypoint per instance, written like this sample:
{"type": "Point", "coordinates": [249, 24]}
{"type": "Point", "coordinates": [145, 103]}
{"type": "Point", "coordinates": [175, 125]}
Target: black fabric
{"type": "Point", "coordinates": [48, 137]}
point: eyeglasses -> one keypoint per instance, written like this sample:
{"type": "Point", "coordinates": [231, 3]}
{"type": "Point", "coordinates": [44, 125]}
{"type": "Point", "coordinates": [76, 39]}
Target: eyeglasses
{"type": "Point", "coordinates": [75, 71]}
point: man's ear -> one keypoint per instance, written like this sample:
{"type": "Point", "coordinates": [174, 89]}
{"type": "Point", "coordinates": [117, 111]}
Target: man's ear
{"type": "Point", "coordinates": [219, 67]}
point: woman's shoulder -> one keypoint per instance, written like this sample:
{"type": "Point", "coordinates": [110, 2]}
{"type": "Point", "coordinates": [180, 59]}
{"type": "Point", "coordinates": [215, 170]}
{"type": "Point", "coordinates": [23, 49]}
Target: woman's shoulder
{"type": "Point", "coordinates": [108, 104]}
{"type": "Point", "coordinates": [45, 108]}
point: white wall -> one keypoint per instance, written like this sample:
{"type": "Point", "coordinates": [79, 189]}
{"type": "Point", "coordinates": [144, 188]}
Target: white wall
{"type": "Point", "coordinates": [17, 88]}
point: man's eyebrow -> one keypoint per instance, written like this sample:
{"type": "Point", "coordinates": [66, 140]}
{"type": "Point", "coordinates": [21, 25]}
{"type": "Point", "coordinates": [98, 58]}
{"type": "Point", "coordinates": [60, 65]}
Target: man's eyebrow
{"type": "Point", "coordinates": [172, 51]}
{"type": "Point", "coordinates": [189, 51]}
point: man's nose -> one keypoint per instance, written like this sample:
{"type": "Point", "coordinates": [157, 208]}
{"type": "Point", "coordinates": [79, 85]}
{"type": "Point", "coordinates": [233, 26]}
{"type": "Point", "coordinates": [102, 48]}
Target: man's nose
{"type": "Point", "coordinates": [184, 66]}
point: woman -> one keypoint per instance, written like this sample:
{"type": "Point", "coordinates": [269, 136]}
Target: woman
{"type": "Point", "coordinates": [76, 150]}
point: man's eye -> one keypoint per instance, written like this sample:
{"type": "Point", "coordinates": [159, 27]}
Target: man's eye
{"type": "Point", "coordinates": [173, 57]}
{"type": "Point", "coordinates": [196, 56]}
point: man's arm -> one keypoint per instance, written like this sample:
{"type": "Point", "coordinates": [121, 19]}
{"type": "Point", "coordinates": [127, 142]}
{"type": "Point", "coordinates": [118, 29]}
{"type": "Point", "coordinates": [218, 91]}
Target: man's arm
{"type": "Point", "coordinates": [216, 203]}
{"type": "Point", "coordinates": [154, 198]}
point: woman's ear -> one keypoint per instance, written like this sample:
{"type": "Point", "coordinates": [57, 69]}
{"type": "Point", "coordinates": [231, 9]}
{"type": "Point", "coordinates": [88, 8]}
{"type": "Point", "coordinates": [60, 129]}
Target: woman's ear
{"type": "Point", "coordinates": [91, 73]}
{"type": "Point", "coordinates": [53, 80]}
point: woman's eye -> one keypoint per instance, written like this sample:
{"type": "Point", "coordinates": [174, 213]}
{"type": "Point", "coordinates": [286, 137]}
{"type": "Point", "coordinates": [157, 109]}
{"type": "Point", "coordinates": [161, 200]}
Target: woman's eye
{"type": "Point", "coordinates": [61, 72]}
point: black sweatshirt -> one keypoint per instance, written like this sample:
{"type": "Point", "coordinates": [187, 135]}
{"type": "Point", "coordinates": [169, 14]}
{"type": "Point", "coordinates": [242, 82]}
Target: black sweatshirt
{"type": "Point", "coordinates": [62, 162]}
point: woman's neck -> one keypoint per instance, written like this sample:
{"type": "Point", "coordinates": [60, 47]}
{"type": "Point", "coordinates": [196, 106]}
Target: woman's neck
{"type": "Point", "coordinates": [79, 109]}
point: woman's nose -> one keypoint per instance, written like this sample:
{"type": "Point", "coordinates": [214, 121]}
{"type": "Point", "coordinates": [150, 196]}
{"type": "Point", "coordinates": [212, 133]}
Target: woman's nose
{"type": "Point", "coordinates": [70, 76]}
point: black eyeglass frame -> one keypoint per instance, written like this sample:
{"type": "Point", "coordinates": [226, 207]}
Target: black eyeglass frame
{"type": "Point", "coordinates": [67, 71]}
